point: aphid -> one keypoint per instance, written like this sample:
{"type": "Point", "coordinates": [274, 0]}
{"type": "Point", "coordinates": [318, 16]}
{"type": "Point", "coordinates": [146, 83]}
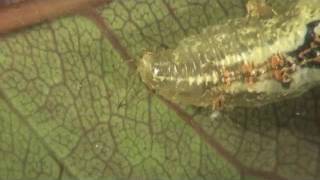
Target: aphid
{"type": "Point", "coordinates": [244, 62]}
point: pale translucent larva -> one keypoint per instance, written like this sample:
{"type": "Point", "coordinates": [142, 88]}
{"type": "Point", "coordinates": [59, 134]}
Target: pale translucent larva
{"type": "Point", "coordinates": [236, 60]}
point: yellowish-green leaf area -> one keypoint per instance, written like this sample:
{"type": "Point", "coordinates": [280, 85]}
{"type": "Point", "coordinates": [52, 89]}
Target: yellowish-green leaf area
{"type": "Point", "coordinates": [22, 155]}
{"type": "Point", "coordinates": [71, 109]}
{"type": "Point", "coordinates": [69, 105]}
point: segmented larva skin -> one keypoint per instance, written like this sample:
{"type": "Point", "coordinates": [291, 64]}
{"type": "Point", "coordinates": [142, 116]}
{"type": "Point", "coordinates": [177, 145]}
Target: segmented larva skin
{"type": "Point", "coordinates": [192, 73]}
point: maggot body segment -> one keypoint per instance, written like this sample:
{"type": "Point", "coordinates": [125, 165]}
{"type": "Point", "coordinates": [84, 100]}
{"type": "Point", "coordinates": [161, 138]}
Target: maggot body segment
{"type": "Point", "coordinates": [244, 62]}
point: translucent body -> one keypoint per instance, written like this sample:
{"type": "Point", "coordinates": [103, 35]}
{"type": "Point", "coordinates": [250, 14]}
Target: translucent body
{"type": "Point", "coordinates": [194, 72]}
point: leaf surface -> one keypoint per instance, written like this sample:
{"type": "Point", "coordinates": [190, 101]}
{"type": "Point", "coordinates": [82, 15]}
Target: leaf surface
{"type": "Point", "coordinates": [72, 105]}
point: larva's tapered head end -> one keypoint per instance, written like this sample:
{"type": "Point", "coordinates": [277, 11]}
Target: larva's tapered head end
{"type": "Point", "coordinates": [145, 68]}
{"type": "Point", "coordinates": [146, 60]}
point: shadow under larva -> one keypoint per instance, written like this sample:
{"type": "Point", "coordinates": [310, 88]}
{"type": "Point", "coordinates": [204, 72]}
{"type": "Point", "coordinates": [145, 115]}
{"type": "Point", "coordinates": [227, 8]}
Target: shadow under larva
{"type": "Point", "coordinates": [241, 63]}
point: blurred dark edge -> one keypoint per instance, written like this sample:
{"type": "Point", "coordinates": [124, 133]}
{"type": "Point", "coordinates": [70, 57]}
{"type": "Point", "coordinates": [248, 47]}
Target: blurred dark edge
{"type": "Point", "coordinates": [4, 3]}
{"type": "Point", "coordinates": [25, 13]}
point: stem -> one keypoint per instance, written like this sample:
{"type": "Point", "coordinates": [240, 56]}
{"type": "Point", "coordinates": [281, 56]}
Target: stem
{"type": "Point", "coordinates": [32, 12]}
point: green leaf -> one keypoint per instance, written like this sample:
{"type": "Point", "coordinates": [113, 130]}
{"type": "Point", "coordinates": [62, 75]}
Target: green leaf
{"type": "Point", "coordinates": [73, 107]}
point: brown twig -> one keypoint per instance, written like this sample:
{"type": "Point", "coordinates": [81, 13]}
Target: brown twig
{"type": "Point", "coordinates": [32, 12]}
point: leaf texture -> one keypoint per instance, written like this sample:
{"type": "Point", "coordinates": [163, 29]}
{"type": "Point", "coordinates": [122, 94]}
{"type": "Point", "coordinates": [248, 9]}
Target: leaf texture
{"type": "Point", "coordinates": [72, 105]}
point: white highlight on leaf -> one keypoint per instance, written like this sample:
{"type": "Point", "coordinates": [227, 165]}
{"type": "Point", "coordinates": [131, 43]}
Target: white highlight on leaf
{"type": "Point", "coordinates": [191, 80]}
{"type": "Point", "coordinates": [215, 77]}
{"type": "Point", "coordinates": [155, 71]}
{"type": "Point", "coordinates": [199, 79]}
{"type": "Point", "coordinates": [214, 115]}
